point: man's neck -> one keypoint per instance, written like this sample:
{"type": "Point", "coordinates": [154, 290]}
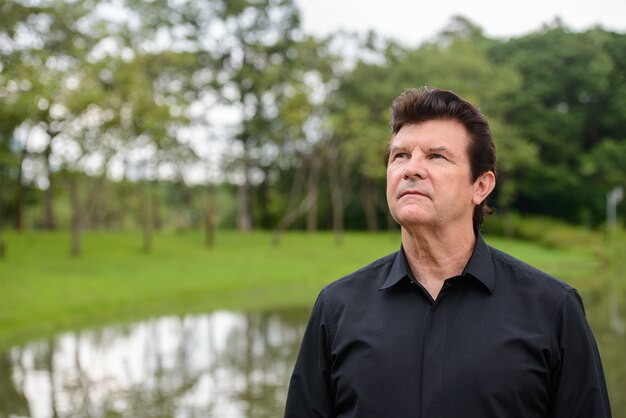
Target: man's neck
{"type": "Point", "coordinates": [435, 256]}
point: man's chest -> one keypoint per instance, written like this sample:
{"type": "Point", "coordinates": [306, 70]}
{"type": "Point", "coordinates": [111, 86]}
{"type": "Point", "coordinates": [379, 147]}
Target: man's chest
{"type": "Point", "coordinates": [448, 358]}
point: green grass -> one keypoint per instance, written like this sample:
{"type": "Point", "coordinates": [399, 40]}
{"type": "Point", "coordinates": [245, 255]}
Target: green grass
{"type": "Point", "coordinates": [43, 290]}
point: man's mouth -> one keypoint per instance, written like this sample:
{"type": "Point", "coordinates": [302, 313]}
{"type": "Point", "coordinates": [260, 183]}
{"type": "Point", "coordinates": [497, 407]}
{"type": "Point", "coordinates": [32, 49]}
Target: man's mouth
{"type": "Point", "coordinates": [412, 192]}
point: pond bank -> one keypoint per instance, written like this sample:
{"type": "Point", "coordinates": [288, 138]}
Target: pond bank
{"type": "Point", "coordinates": [45, 290]}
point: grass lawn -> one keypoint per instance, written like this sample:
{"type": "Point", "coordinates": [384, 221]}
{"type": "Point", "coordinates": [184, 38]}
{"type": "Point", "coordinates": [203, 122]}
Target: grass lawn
{"type": "Point", "coordinates": [43, 290]}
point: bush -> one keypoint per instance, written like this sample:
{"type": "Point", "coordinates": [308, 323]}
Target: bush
{"type": "Point", "coordinates": [546, 231]}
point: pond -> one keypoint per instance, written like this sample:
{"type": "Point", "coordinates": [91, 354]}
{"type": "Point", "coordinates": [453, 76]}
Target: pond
{"type": "Point", "coordinates": [222, 364]}
{"type": "Point", "coordinates": [215, 365]}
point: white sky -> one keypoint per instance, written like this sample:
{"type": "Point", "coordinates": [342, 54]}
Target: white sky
{"type": "Point", "coordinates": [414, 21]}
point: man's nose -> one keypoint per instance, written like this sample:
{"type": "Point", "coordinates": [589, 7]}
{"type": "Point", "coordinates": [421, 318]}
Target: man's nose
{"type": "Point", "coordinates": [415, 168]}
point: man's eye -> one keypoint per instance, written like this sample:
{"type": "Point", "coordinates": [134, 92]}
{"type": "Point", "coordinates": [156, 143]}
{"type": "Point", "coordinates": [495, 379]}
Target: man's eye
{"type": "Point", "coordinates": [400, 155]}
{"type": "Point", "coordinates": [436, 156]}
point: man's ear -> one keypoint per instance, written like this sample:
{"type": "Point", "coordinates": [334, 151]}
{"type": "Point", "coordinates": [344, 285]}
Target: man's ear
{"type": "Point", "coordinates": [483, 185]}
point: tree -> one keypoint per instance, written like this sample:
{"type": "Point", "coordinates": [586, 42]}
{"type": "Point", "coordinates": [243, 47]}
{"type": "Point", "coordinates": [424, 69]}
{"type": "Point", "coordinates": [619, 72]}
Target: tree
{"type": "Point", "coordinates": [572, 90]}
{"type": "Point", "coordinates": [146, 129]}
{"type": "Point", "coordinates": [46, 47]}
{"type": "Point", "coordinates": [260, 70]}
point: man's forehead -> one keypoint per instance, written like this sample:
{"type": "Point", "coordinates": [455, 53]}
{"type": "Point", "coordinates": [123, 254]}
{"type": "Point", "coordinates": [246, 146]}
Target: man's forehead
{"type": "Point", "coordinates": [434, 134]}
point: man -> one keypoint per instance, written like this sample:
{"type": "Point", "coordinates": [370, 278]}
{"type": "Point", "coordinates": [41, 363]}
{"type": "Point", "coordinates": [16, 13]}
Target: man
{"type": "Point", "coordinates": [447, 326]}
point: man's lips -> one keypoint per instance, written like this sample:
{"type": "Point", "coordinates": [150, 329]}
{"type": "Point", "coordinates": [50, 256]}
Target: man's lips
{"type": "Point", "coordinates": [412, 192]}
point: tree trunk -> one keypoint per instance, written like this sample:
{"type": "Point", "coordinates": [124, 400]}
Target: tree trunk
{"type": "Point", "coordinates": [506, 195]}
{"type": "Point", "coordinates": [336, 196]}
{"type": "Point", "coordinates": [293, 211]}
{"type": "Point", "coordinates": [155, 202]}
{"type": "Point", "coordinates": [20, 194]}
{"type": "Point", "coordinates": [209, 219]}
{"type": "Point", "coordinates": [75, 222]}
{"type": "Point", "coordinates": [94, 211]}
{"type": "Point", "coordinates": [244, 220]}
{"type": "Point", "coordinates": [302, 208]}
{"type": "Point", "coordinates": [369, 200]}
{"type": "Point", "coordinates": [49, 221]}
{"type": "Point", "coordinates": [147, 216]}
{"type": "Point", "coordinates": [264, 202]}
{"type": "Point", "coordinates": [313, 192]}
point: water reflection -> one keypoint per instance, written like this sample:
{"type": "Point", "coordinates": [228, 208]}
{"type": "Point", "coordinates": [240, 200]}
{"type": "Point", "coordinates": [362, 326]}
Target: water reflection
{"type": "Point", "coordinates": [222, 365]}
{"type": "Point", "coordinates": [218, 365]}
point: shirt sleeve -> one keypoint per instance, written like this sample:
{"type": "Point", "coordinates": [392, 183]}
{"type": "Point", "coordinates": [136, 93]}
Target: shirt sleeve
{"type": "Point", "coordinates": [309, 389]}
{"type": "Point", "coordinates": [579, 388]}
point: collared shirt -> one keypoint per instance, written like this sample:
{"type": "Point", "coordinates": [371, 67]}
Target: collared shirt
{"type": "Point", "coordinates": [502, 339]}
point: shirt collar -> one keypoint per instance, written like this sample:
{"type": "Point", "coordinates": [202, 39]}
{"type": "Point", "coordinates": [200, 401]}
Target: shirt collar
{"type": "Point", "coordinates": [399, 270]}
{"type": "Point", "coordinates": [479, 266]}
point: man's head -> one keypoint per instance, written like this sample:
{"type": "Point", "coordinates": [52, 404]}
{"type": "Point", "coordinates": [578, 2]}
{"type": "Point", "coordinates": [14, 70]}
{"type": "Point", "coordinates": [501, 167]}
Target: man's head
{"type": "Point", "coordinates": [416, 106]}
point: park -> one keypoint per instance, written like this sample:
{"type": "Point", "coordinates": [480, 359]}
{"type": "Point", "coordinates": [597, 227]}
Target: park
{"type": "Point", "coordinates": [179, 181]}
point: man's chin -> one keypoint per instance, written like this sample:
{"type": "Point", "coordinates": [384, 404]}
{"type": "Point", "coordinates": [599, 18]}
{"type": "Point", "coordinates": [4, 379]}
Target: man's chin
{"type": "Point", "coordinates": [413, 219]}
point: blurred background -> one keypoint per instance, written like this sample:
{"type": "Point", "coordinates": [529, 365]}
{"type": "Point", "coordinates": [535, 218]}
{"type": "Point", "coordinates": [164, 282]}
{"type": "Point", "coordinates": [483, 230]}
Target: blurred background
{"type": "Point", "coordinates": [179, 178]}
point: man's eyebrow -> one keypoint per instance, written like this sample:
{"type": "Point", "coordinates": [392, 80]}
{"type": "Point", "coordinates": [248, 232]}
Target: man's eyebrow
{"type": "Point", "coordinates": [394, 148]}
{"type": "Point", "coordinates": [442, 149]}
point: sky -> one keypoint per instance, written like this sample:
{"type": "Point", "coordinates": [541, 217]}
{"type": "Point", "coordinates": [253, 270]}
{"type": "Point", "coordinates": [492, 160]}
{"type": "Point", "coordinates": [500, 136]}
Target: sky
{"type": "Point", "coordinates": [413, 21]}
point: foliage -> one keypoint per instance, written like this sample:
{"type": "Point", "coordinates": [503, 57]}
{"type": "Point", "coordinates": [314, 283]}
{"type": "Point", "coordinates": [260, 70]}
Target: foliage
{"type": "Point", "coordinates": [571, 98]}
{"type": "Point", "coordinates": [140, 98]}
{"type": "Point", "coordinates": [550, 232]}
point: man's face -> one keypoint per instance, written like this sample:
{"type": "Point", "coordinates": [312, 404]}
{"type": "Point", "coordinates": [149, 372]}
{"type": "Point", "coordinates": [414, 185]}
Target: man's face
{"type": "Point", "coordinates": [429, 177]}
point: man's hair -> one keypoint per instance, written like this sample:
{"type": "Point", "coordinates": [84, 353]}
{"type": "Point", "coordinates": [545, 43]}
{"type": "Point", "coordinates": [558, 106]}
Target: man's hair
{"type": "Point", "coordinates": [414, 106]}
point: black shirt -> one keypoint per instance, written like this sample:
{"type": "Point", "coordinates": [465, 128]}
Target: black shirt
{"type": "Point", "coordinates": [503, 339]}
